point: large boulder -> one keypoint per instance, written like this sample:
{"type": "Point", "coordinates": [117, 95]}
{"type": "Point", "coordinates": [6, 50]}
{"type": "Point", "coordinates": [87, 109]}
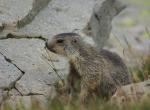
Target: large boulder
{"type": "Point", "coordinates": [37, 74]}
{"type": "Point", "coordinates": [9, 74]}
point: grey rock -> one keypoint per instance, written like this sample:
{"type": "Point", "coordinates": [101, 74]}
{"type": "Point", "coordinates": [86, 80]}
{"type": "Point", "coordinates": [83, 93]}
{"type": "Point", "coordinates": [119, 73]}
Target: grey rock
{"type": "Point", "coordinates": [100, 22]}
{"type": "Point", "coordinates": [37, 6]}
{"type": "Point", "coordinates": [13, 92]}
{"type": "Point", "coordinates": [13, 10]}
{"type": "Point", "coordinates": [61, 16]}
{"type": "Point", "coordinates": [8, 73]}
{"type": "Point", "coordinates": [38, 74]}
{"type": "Point", "coordinates": [18, 13]}
{"type": "Point", "coordinates": [36, 82]}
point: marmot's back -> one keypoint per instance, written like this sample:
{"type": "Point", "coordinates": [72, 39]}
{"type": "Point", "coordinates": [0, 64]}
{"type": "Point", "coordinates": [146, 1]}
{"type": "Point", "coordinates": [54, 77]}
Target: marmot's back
{"type": "Point", "coordinates": [119, 74]}
{"type": "Point", "coordinates": [120, 71]}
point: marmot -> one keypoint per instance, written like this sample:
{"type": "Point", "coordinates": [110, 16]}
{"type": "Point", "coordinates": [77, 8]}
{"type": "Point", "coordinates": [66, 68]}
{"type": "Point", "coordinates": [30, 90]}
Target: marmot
{"type": "Point", "coordinates": [100, 71]}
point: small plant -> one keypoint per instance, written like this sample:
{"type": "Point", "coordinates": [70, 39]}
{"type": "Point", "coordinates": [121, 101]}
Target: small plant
{"type": "Point", "coordinates": [142, 73]}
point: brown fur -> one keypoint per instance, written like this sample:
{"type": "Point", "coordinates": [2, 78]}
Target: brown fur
{"type": "Point", "coordinates": [100, 72]}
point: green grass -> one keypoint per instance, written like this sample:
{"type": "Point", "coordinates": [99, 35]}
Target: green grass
{"type": "Point", "coordinates": [142, 73]}
{"type": "Point", "coordinates": [98, 105]}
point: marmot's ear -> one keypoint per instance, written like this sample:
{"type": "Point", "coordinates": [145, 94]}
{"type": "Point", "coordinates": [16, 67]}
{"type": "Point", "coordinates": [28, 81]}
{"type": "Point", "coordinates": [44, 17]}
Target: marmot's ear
{"type": "Point", "coordinates": [74, 40]}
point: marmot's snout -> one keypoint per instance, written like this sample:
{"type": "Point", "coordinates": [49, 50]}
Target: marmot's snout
{"type": "Point", "coordinates": [49, 47]}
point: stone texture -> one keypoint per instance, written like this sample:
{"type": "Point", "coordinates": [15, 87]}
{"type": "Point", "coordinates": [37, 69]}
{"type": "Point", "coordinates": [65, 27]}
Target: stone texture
{"type": "Point", "coordinates": [38, 74]}
{"type": "Point", "coordinates": [8, 73]}
{"type": "Point", "coordinates": [132, 93]}
{"type": "Point", "coordinates": [100, 22]}
{"type": "Point", "coordinates": [61, 16]}
{"type": "Point", "coordinates": [18, 13]}
{"type": "Point", "coordinates": [37, 6]}
{"type": "Point", "coordinates": [11, 10]}
{"type": "Point", "coordinates": [13, 92]}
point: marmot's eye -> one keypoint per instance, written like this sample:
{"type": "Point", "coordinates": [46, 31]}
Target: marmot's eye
{"type": "Point", "coordinates": [60, 41]}
{"type": "Point", "coordinates": [74, 40]}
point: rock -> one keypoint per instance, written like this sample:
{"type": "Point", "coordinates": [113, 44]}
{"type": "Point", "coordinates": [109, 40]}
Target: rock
{"type": "Point", "coordinates": [8, 73]}
{"type": "Point", "coordinates": [13, 92]}
{"type": "Point", "coordinates": [132, 93]}
{"type": "Point", "coordinates": [37, 6]}
{"type": "Point", "coordinates": [35, 83]}
{"type": "Point", "coordinates": [14, 10]}
{"type": "Point", "coordinates": [61, 16]}
{"type": "Point", "coordinates": [38, 74]}
{"type": "Point", "coordinates": [102, 16]}
{"type": "Point", "coordinates": [18, 13]}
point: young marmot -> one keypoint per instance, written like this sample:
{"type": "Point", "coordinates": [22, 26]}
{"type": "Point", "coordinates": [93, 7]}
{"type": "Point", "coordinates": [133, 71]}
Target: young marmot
{"type": "Point", "coordinates": [100, 72]}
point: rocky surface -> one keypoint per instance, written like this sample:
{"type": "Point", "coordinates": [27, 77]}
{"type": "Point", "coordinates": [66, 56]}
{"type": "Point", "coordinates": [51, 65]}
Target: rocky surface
{"type": "Point", "coordinates": [132, 93]}
{"type": "Point", "coordinates": [61, 16]}
{"type": "Point", "coordinates": [15, 14]}
{"type": "Point", "coordinates": [24, 71]}
{"type": "Point", "coordinates": [37, 74]}
{"type": "Point", "coordinates": [100, 22]}
{"type": "Point", "coordinates": [9, 73]}
{"type": "Point", "coordinates": [9, 10]}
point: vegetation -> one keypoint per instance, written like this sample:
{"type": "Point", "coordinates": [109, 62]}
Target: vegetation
{"type": "Point", "coordinates": [97, 105]}
{"type": "Point", "coordinates": [142, 73]}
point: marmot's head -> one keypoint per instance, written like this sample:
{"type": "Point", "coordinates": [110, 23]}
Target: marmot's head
{"type": "Point", "coordinates": [66, 44]}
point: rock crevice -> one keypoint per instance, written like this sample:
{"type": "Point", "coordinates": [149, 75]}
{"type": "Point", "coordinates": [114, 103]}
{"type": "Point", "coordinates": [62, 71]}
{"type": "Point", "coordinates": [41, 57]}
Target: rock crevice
{"type": "Point", "coordinates": [21, 36]}
{"type": "Point", "coordinates": [13, 83]}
